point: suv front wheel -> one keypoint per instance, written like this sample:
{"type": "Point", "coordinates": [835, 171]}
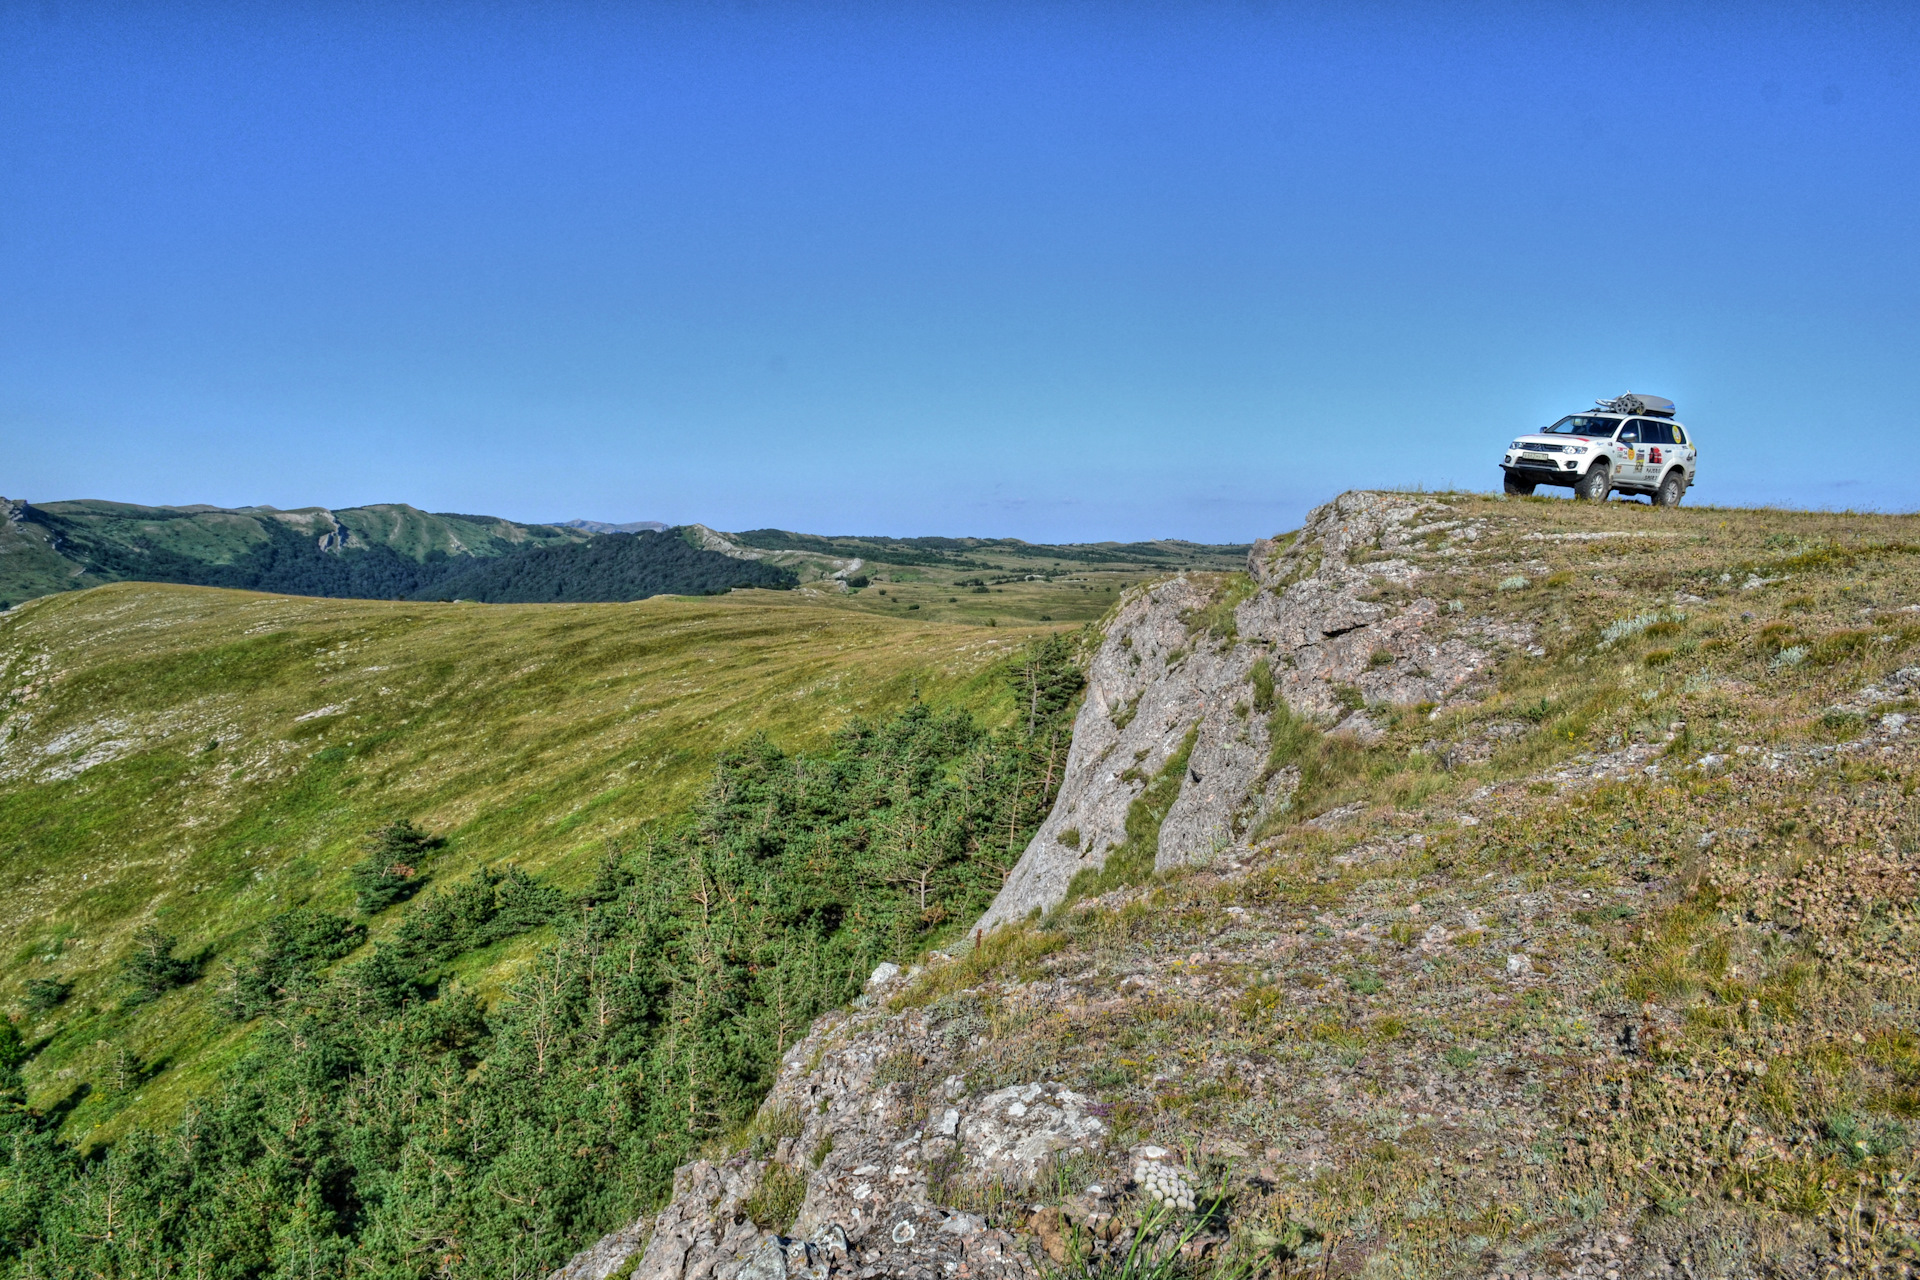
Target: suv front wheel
{"type": "Point", "coordinates": [1593, 486]}
{"type": "Point", "coordinates": [1668, 495]}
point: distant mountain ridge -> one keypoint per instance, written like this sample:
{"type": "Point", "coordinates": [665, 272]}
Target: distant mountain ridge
{"type": "Point", "coordinates": [393, 551]}
{"type": "Point", "coordinates": [384, 551]}
{"type": "Point", "coordinates": [601, 526]}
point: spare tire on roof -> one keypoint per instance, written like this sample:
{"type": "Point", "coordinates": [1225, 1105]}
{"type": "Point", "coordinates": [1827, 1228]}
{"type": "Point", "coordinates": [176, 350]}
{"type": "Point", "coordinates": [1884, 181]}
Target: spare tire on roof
{"type": "Point", "coordinates": [1634, 402]}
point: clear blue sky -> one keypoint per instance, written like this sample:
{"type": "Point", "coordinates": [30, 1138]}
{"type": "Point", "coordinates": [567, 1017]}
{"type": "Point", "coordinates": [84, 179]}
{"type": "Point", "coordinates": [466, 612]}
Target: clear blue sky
{"type": "Point", "coordinates": [1057, 271]}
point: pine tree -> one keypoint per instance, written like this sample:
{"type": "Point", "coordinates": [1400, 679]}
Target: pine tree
{"type": "Point", "coordinates": [390, 872]}
{"type": "Point", "coordinates": [152, 970]}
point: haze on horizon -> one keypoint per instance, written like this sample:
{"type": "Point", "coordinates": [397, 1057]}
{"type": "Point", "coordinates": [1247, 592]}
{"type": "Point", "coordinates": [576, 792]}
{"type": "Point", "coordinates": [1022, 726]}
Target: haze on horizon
{"type": "Point", "coordinates": [1050, 271]}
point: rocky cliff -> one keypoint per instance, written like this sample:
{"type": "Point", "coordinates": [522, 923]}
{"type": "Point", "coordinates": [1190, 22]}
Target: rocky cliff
{"type": "Point", "coordinates": [1329, 622]}
{"type": "Point", "coordinates": [1594, 958]}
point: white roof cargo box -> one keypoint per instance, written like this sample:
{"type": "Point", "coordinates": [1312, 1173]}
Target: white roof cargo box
{"type": "Point", "coordinates": [1634, 402]}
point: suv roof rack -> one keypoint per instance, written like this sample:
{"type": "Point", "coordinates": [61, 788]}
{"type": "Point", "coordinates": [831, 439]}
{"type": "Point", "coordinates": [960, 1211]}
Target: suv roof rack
{"type": "Point", "coordinates": [1633, 402]}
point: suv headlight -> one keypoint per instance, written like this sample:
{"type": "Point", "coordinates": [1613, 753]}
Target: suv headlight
{"type": "Point", "coordinates": [1576, 448]}
{"type": "Point", "coordinates": [1516, 445]}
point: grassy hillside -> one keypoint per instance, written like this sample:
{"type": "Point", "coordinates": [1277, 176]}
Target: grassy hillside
{"type": "Point", "coordinates": [29, 565]}
{"type": "Point", "coordinates": [205, 759]}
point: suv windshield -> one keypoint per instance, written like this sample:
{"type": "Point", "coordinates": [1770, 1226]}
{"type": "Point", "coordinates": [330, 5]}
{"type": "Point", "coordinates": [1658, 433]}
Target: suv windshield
{"type": "Point", "coordinates": [1583, 425]}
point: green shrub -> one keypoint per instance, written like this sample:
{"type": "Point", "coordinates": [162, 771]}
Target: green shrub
{"type": "Point", "coordinates": [46, 993]}
{"type": "Point", "coordinates": [152, 970]}
{"type": "Point", "coordinates": [293, 947]}
{"type": "Point", "coordinates": [1536, 712]}
{"type": "Point", "coordinates": [390, 872]}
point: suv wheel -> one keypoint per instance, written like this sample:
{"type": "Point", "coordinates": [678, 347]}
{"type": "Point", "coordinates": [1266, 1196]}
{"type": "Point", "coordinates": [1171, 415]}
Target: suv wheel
{"type": "Point", "coordinates": [1519, 487]}
{"type": "Point", "coordinates": [1668, 495]}
{"type": "Point", "coordinates": [1593, 486]}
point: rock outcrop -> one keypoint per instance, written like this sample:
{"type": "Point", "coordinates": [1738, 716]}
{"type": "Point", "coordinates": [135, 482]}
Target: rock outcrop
{"type": "Point", "coordinates": [1332, 621]}
{"type": "Point", "coordinates": [877, 1141]}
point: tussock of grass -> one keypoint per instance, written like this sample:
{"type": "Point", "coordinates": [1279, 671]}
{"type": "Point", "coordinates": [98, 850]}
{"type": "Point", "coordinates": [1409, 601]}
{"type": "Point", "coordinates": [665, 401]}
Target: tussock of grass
{"type": "Point", "coordinates": [1216, 619]}
{"type": "Point", "coordinates": [1011, 949]}
{"type": "Point", "coordinates": [1132, 861]}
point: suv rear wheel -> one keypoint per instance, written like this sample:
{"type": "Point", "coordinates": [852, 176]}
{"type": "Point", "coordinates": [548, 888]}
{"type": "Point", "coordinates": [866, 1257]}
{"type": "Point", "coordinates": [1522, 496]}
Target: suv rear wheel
{"type": "Point", "coordinates": [1668, 495]}
{"type": "Point", "coordinates": [1593, 486]}
{"type": "Point", "coordinates": [1519, 487]}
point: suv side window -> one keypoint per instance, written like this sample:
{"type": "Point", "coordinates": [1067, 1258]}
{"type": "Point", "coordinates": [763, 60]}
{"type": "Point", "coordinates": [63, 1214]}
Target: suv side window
{"type": "Point", "coordinates": [1656, 433]}
{"type": "Point", "coordinates": [1679, 433]}
{"type": "Point", "coordinates": [1629, 434]}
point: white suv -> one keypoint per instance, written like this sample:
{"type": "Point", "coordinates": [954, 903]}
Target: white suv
{"type": "Point", "coordinates": [1630, 443]}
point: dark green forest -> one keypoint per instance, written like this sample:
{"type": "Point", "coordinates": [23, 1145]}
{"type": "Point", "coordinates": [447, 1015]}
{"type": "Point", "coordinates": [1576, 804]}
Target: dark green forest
{"type": "Point", "coordinates": [614, 566]}
{"type": "Point", "coordinates": [384, 1122]}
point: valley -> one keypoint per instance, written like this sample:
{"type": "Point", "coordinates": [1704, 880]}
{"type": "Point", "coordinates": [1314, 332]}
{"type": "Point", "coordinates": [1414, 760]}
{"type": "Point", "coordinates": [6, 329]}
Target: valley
{"type": "Point", "coordinates": [395, 551]}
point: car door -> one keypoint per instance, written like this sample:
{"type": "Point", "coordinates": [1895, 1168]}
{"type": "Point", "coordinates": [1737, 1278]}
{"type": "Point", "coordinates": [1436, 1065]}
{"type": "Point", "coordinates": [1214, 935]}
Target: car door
{"type": "Point", "coordinates": [1657, 438]}
{"type": "Point", "coordinates": [1683, 448]}
{"type": "Point", "coordinates": [1629, 456]}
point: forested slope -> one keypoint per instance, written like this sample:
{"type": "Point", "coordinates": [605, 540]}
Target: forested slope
{"type": "Point", "coordinates": [385, 1120]}
{"type": "Point", "coordinates": [202, 760]}
{"type": "Point", "coordinates": [616, 566]}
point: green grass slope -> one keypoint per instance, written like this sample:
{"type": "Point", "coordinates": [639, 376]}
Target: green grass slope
{"type": "Point", "coordinates": [29, 565]}
{"type": "Point", "coordinates": [205, 759]}
{"type": "Point", "coordinates": [418, 534]}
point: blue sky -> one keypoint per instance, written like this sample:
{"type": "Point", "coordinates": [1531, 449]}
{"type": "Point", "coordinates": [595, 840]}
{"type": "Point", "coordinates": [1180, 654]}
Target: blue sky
{"type": "Point", "coordinates": [1056, 271]}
